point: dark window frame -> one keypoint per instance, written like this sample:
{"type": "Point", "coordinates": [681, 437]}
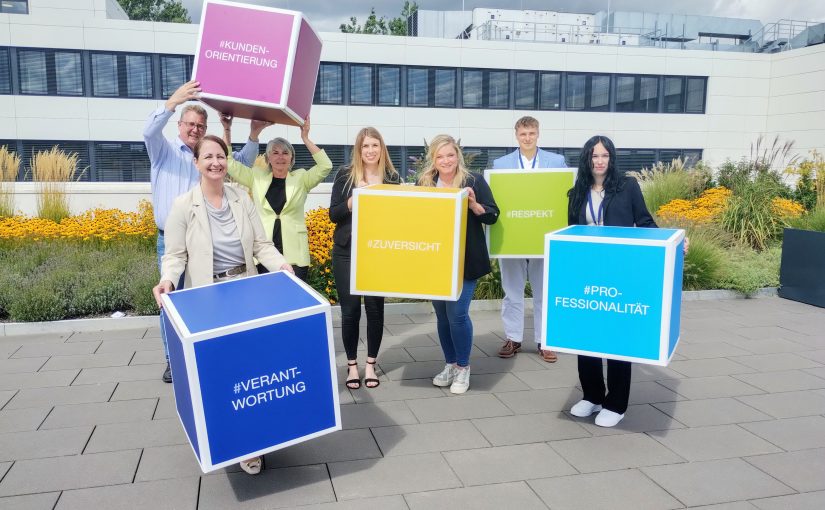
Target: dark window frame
{"type": "Point", "coordinates": [122, 75]}
{"type": "Point", "coordinates": [317, 99]}
{"type": "Point", "coordinates": [485, 88]}
{"type": "Point", "coordinates": [636, 103]}
{"type": "Point", "coordinates": [50, 58]}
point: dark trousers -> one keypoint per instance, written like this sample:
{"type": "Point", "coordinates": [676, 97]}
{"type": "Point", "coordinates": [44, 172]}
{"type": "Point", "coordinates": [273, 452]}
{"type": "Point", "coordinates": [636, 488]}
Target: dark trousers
{"type": "Point", "coordinates": [618, 383]}
{"type": "Point", "coordinates": [301, 272]}
{"type": "Point", "coordinates": [351, 310]}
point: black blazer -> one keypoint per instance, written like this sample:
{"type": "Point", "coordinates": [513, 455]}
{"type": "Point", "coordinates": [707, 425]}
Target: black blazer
{"type": "Point", "coordinates": [624, 208]}
{"type": "Point", "coordinates": [476, 257]}
{"type": "Point", "coordinates": [339, 213]}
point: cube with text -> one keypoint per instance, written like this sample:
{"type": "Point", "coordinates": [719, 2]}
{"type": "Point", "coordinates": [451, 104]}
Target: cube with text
{"type": "Point", "coordinates": [613, 292]}
{"type": "Point", "coordinates": [257, 62]}
{"type": "Point", "coordinates": [408, 241]}
{"type": "Point", "coordinates": [253, 366]}
{"type": "Point", "coordinates": [532, 202]}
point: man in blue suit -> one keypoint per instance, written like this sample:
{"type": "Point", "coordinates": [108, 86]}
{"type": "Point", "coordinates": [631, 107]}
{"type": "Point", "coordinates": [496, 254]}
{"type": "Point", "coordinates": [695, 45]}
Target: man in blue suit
{"type": "Point", "coordinates": [515, 272]}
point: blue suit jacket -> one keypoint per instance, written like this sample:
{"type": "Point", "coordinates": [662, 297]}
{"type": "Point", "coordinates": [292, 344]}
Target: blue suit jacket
{"type": "Point", "coordinates": [546, 160]}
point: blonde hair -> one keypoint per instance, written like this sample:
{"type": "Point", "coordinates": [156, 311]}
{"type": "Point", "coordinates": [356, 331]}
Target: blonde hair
{"type": "Point", "coordinates": [194, 108]}
{"type": "Point", "coordinates": [527, 122]}
{"type": "Point", "coordinates": [357, 170]}
{"type": "Point", "coordinates": [430, 172]}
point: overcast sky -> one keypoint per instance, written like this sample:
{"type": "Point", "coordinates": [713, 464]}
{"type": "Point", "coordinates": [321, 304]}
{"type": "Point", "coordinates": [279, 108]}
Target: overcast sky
{"type": "Point", "coordinates": [327, 15]}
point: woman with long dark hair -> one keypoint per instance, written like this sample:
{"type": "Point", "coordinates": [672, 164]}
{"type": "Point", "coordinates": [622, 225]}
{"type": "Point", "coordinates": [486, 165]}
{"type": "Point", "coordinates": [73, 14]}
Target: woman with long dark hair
{"type": "Point", "coordinates": [604, 196]}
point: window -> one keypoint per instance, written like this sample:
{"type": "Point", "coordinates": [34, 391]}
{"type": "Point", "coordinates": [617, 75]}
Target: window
{"type": "Point", "coordinates": [104, 75]}
{"type": "Point", "coordinates": [138, 75]}
{"type": "Point", "coordinates": [599, 93]}
{"type": "Point", "coordinates": [32, 147]}
{"type": "Point", "coordinates": [525, 91]}
{"type": "Point", "coordinates": [122, 75]}
{"type": "Point", "coordinates": [431, 87]}
{"type": "Point", "coordinates": [389, 86]}
{"type": "Point", "coordinates": [14, 6]}
{"type": "Point", "coordinates": [588, 92]}
{"type": "Point", "coordinates": [674, 97]}
{"type": "Point", "coordinates": [695, 102]}
{"type": "Point", "coordinates": [5, 71]}
{"type": "Point", "coordinates": [444, 88]}
{"type": "Point", "coordinates": [54, 72]}
{"type": "Point", "coordinates": [121, 162]}
{"type": "Point", "coordinates": [417, 86]}
{"type": "Point", "coordinates": [637, 94]}
{"type": "Point", "coordinates": [360, 84]}
{"type": "Point", "coordinates": [330, 86]}
{"type": "Point", "coordinates": [550, 91]}
{"type": "Point", "coordinates": [576, 85]}
{"type": "Point", "coordinates": [174, 72]}
{"type": "Point", "coordinates": [485, 89]}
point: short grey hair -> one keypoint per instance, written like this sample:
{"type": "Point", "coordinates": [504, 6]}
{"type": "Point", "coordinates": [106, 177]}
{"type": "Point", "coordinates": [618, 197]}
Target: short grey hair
{"type": "Point", "coordinates": [281, 143]}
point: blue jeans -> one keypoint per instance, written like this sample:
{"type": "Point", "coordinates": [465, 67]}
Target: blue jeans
{"type": "Point", "coordinates": [161, 249]}
{"type": "Point", "coordinates": [455, 329]}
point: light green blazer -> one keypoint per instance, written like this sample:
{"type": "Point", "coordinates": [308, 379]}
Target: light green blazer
{"type": "Point", "coordinates": [298, 184]}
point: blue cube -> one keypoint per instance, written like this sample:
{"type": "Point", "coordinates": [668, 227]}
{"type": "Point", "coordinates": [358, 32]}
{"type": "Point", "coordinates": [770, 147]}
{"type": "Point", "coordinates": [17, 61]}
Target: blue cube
{"type": "Point", "coordinates": [253, 366]}
{"type": "Point", "coordinates": [613, 292]}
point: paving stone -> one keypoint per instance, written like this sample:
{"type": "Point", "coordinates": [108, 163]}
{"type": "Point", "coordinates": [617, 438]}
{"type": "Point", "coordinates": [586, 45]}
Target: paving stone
{"type": "Point", "coordinates": [709, 367]}
{"type": "Point", "coordinates": [395, 355]}
{"type": "Point", "coordinates": [648, 392]}
{"type": "Point", "coordinates": [786, 380]}
{"type": "Point", "coordinates": [496, 365]}
{"type": "Point", "coordinates": [613, 452]}
{"type": "Point", "coordinates": [528, 428]}
{"type": "Point", "coordinates": [717, 411]}
{"type": "Point", "coordinates": [153, 332]}
{"type": "Point", "coordinates": [41, 338]}
{"type": "Point", "coordinates": [710, 387]}
{"type": "Point", "coordinates": [179, 494]}
{"type": "Point", "coordinates": [800, 470]}
{"type": "Point", "coordinates": [163, 462]}
{"type": "Point", "coordinates": [5, 396]}
{"type": "Point", "coordinates": [381, 503]}
{"type": "Point", "coordinates": [465, 407]}
{"type": "Point", "coordinates": [638, 418]}
{"type": "Point", "coordinates": [129, 346]}
{"type": "Point", "coordinates": [131, 390]}
{"type": "Point", "coordinates": [766, 332]}
{"type": "Point", "coordinates": [716, 481]}
{"type": "Point", "coordinates": [397, 390]}
{"type": "Point", "coordinates": [153, 357]}
{"type": "Point", "coordinates": [112, 359]}
{"type": "Point", "coordinates": [818, 356]}
{"type": "Point", "coordinates": [808, 501]}
{"type": "Point", "coordinates": [43, 501]}
{"type": "Point", "coordinates": [382, 414]}
{"type": "Point", "coordinates": [653, 373]}
{"type": "Point", "coordinates": [56, 349]}
{"type": "Point", "coordinates": [47, 397]}
{"type": "Point", "coordinates": [110, 334]}
{"type": "Point", "coordinates": [710, 350]}
{"type": "Point", "coordinates": [43, 443]}
{"type": "Point", "coordinates": [19, 420]}
{"type": "Point", "coordinates": [21, 365]}
{"type": "Point", "coordinates": [484, 466]}
{"type": "Point", "coordinates": [404, 341]}
{"type": "Point", "coordinates": [166, 409]}
{"type": "Point", "coordinates": [792, 433]}
{"type": "Point", "coordinates": [738, 505]}
{"type": "Point", "coordinates": [771, 346]}
{"type": "Point", "coordinates": [491, 383]}
{"type": "Point", "coordinates": [493, 497]}
{"type": "Point", "coordinates": [410, 329]}
{"type": "Point", "coordinates": [434, 353]}
{"type": "Point", "coordinates": [272, 488]}
{"type": "Point", "coordinates": [416, 370]}
{"type": "Point", "coordinates": [552, 378]}
{"type": "Point", "coordinates": [629, 489]}
{"type": "Point", "coordinates": [789, 404]}
{"type": "Point", "coordinates": [716, 442]}
{"type": "Point", "coordinates": [71, 472]}
{"type": "Point", "coordinates": [125, 436]}
{"type": "Point", "coordinates": [100, 413]}
{"type": "Point", "coordinates": [37, 379]}
{"type": "Point", "coordinates": [391, 475]}
{"type": "Point", "coordinates": [4, 467]}
{"type": "Point", "coordinates": [119, 374]}
{"type": "Point", "coordinates": [540, 401]}
{"type": "Point", "coordinates": [428, 437]}
{"type": "Point", "coordinates": [339, 446]}
{"type": "Point", "coordinates": [775, 362]}
{"type": "Point", "coordinates": [422, 318]}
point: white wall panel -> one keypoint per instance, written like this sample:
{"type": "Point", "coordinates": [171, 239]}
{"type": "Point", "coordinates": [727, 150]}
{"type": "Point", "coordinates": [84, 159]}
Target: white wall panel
{"type": "Point", "coordinates": [46, 36]}
{"type": "Point", "coordinates": [810, 81]}
{"type": "Point", "coordinates": [726, 86]}
{"type": "Point", "coordinates": [797, 103]}
{"type": "Point", "coordinates": [29, 128]}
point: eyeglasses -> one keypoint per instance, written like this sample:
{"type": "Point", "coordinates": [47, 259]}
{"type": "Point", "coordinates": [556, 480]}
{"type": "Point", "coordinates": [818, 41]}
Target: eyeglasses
{"type": "Point", "coordinates": [190, 125]}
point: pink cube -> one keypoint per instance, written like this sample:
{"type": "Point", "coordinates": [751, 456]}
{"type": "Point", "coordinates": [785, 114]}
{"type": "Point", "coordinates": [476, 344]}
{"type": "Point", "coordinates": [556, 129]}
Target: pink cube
{"type": "Point", "coordinates": [257, 62]}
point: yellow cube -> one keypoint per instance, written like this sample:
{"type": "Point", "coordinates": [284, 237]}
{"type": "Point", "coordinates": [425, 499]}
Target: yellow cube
{"type": "Point", "coordinates": [408, 241]}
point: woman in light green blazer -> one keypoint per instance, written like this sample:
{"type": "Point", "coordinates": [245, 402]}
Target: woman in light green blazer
{"type": "Point", "coordinates": [279, 193]}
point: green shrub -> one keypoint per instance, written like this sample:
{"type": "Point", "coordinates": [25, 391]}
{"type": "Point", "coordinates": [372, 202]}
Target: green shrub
{"type": "Point", "coordinates": [37, 303]}
{"type": "Point", "coordinates": [750, 216]}
{"type": "Point", "coordinates": [489, 285]}
{"type": "Point", "coordinates": [704, 261]}
{"type": "Point", "coordinates": [665, 182]}
{"type": "Point", "coordinates": [814, 220]}
{"type": "Point", "coordinates": [747, 270]}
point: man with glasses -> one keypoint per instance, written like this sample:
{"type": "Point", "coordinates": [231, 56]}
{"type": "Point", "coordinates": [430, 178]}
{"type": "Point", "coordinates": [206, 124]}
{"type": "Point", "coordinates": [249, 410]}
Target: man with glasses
{"type": "Point", "coordinates": [172, 161]}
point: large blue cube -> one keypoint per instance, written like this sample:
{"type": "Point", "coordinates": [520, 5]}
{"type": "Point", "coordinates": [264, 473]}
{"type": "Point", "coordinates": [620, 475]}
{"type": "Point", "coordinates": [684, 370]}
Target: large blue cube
{"type": "Point", "coordinates": [253, 366]}
{"type": "Point", "coordinates": [613, 292]}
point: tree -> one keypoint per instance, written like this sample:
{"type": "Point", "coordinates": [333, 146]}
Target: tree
{"type": "Point", "coordinates": [171, 11]}
{"type": "Point", "coordinates": [376, 25]}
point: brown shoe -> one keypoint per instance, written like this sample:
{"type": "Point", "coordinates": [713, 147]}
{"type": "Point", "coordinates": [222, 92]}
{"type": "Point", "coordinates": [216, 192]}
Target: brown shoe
{"type": "Point", "coordinates": [509, 349]}
{"type": "Point", "coordinates": [548, 355]}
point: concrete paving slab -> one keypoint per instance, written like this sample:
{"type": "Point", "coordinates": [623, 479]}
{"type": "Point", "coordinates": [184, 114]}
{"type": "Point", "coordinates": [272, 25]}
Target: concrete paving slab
{"type": "Point", "coordinates": [180, 494]}
{"type": "Point", "coordinates": [19, 420]}
{"type": "Point", "coordinates": [638, 418]}
{"type": "Point", "coordinates": [776, 361]}
{"type": "Point", "coordinates": [379, 503]}
{"type": "Point", "coordinates": [528, 428]}
{"type": "Point", "coordinates": [339, 446]}
{"type": "Point", "coordinates": [272, 488]}
{"type": "Point", "coordinates": [710, 387]}
{"type": "Point", "coordinates": [381, 414]}
{"type": "Point", "coordinates": [21, 365]}
{"type": "Point", "coordinates": [131, 390]}
{"type": "Point", "coordinates": [540, 401]}
{"type": "Point", "coordinates": [499, 464]}
{"type": "Point", "coordinates": [716, 481]}
{"type": "Point", "coordinates": [608, 453]}
{"type": "Point", "coordinates": [146, 344]}
{"type": "Point", "coordinates": [492, 497]}
{"type": "Point", "coordinates": [464, 407]}
{"type": "Point", "coordinates": [47, 397]}
{"type": "Point", "coordinates": [709, 367]}
{"type": "Point", "coordinates": [785, 380]}
{"type": "Point", "coordinates": [119, 374]}
{"type": "Point", "coordinates": [792, 433]}
{"type": "Point", "coordinates": [109, 334]}
{"type": "Point", "coordinates": [154, 357]}
{"type": "Point", "coordinates": [800, 470]}
{"type": "Point", "coordinates": [100, 413]}
{"type": "Point", "coordinates": [397, 390]}
{"type": "Point", "coordinates": [55, 349]}
{"type": "Point", "coordinates": [557, 377]}
{"type": "Point", "coordinates": [164, 462]}
{"type": "Point", "coordinates": [37, 379]}
{"type": "Point", "coordinates": [113, 359]}
{"type": "Point", "coordinates": [428, 437]}
{"type": "Point", "coordinates": [788, 404]}
{"type": "Point", "coordinates": [43, 443]}
{"type": "Point", "coordinates": [127, 436]}
{"type": "Point", "coordinates": [716, 411]}
{"type": "Point", "coordinates": [43, 501]}
{"type": "Point", "coordinates": [807, 501]}
{"type": "Point", "coordinates": [716, 442]}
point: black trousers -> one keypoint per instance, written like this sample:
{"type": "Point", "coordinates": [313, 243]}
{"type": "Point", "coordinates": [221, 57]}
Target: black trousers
{"type": "Point", "coordinates": [301, 272]}
{"type": "Point", "coordinates": [351, 309]}
{"type": "Point", "coordinates": [615, 397]}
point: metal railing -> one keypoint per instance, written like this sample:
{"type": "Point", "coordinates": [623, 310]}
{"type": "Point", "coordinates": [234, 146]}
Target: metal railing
{"type": "Point", "coordinates": [778, 36]}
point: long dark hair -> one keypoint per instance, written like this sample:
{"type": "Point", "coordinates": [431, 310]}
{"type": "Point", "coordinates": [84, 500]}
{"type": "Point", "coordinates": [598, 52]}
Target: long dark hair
{"type": "Point", "coordinates": [584, 178]}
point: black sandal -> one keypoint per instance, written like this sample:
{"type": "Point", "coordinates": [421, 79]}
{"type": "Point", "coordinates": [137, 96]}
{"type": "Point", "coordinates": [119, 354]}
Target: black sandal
{"type": "Point", "coordinates": [353, 384]}
{"type": "Point", "coordinates": [369, 380]}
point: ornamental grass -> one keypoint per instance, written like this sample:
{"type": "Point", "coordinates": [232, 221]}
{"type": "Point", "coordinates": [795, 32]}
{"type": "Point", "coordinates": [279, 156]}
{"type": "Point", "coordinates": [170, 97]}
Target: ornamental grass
{"type": "Point", "coordinates": [9, 168]}
{"type": "Point", "coordinates": [52, 169]}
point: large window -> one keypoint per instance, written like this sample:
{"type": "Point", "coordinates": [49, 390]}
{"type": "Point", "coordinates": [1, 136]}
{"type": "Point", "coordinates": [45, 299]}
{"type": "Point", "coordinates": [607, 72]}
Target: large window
{"type": "Point", "coordinates": [674, 96]}
{"type": "Point", "coordinates": [589, 92]}
{"type": "Point", "coordinates": [417, 86]}
{"type": "Point", "coordinates": [174, 72]}
{"type": "Point", "coordinates": [526, 90]}
{"type": "Point", "coordinates": [330, 86]}
{"type": "Point", "coordinates": [431, 87]}
{"type": "Point", "coordinates": [695, 102]}
{"type": "Point", "coordinates": [637, 94]}
{"type": "Point", "coordinates": [550, 91]}
{"type": "Point", "coordinates": [389, 86]}
{"type": "Point", "coordinates": [54, 72]}
{"type": "Point", "coordinates": [121, 162]}
{"type": "Point", "coordinates": [360, 84]}
{"type": "Point", "coordinates": [14, 6]}
{"type": "Point", "coordinates": [444, 88]}
{"type": "Point", "coordinates": [122, 75]}
{"type": "Point", "coordinates": [5, 71]}
{"type": "Point", "coordinates": [485, 88]}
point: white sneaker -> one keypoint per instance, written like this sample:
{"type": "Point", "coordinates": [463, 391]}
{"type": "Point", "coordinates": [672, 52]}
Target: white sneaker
{"type": "Point", "coordinates": [461, 383]}
{"type": "Point", "coordinates": [584, 408]}
{"type": "Point", "coordinates": [608, 418]}
{"type": "Point", "coordinates": [445, 377]}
